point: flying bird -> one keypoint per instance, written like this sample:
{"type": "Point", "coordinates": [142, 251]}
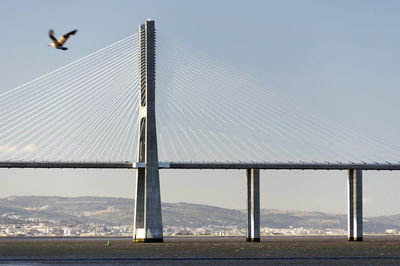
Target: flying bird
{"type": "Point", "coordinates": [60, 42]}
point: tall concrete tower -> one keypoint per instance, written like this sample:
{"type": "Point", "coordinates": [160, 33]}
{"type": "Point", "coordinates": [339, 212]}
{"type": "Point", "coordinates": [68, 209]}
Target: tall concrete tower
{"type": "Point", "coordinates": [147, 220]}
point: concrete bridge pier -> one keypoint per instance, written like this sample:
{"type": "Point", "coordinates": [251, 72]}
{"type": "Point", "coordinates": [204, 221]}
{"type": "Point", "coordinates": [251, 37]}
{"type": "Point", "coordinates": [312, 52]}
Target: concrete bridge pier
{"type": "Point", "coordinates": [147, 221]}
{"type": "Point", "coordinates": [355, 215]}
{"type": "Point", "coordinates": [253, 205]}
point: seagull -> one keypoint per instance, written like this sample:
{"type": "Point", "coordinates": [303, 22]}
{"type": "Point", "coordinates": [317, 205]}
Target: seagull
{"type": "Point", "coordinates": [59, 43]}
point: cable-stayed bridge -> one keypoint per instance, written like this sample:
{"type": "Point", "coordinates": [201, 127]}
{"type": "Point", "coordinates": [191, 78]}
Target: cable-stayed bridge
{"type": "Point", "coordinates": [139, 106]}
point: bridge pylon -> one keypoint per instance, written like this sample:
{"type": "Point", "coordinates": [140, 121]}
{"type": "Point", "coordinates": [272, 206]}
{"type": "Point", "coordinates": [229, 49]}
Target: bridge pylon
{"type": "Point", "coordinates": [147, 218]}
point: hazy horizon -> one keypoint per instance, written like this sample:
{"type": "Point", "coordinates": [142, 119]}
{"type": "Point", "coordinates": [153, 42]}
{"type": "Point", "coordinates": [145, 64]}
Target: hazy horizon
{"type": "Point", "coordinates": [191, 203]}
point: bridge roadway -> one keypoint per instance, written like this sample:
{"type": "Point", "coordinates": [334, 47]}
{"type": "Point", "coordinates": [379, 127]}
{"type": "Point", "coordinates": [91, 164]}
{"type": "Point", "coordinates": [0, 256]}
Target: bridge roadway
{"type": "Point", "coordinates": [204, 165]}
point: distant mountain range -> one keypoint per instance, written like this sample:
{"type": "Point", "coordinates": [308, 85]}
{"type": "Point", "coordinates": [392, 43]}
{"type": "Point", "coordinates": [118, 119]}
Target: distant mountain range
{"type": "Point", "coordinates": [119, 211]}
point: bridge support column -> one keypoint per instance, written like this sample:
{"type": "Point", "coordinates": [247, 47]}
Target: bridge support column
{"type": "Point", "coordinates": [253, 205]}
{"type": "Point", "coordinates": [354, 194]}
{"type": "Point", "coordinates": [147, 221]}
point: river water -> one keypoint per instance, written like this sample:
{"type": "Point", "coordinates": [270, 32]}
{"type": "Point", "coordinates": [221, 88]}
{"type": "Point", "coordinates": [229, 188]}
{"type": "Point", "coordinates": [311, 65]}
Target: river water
{"type": "Point", "coordinates": [374, 250]}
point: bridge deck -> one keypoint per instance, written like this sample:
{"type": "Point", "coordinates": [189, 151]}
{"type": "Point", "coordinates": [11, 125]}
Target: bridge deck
{"type": "Point", "coordinates": [205, 165]}
{"type": "Point", "coordinates": [286, 166]}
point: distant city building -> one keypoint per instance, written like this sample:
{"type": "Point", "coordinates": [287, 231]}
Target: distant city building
{"type": "Point", "coordinates": [391, 231]}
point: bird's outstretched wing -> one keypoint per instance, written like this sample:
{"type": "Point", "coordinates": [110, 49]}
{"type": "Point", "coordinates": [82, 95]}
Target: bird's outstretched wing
{"type": "Point", "coordinates": [51, 35]}
{"type": "Point", "coordinates": [65, 37]}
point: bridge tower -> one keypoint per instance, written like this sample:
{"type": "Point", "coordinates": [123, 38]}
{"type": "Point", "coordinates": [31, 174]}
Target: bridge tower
{"type": "Point", "coordinates": [147, 218]}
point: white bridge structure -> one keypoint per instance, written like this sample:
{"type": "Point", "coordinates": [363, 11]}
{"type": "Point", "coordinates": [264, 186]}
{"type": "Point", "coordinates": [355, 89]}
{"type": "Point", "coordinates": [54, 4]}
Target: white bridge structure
{"type": "Point", "coordinates": [123, 107]}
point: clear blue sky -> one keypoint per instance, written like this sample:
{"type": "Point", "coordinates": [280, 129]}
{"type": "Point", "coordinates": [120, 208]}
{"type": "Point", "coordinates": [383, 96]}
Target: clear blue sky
{"type": "Point", "coordinates": [339, 59]}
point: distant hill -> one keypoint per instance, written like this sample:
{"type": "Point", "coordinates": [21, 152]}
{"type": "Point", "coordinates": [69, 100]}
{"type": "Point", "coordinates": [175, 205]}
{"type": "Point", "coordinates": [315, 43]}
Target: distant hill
{"type": "Point", "coordinates": [119, 211]}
